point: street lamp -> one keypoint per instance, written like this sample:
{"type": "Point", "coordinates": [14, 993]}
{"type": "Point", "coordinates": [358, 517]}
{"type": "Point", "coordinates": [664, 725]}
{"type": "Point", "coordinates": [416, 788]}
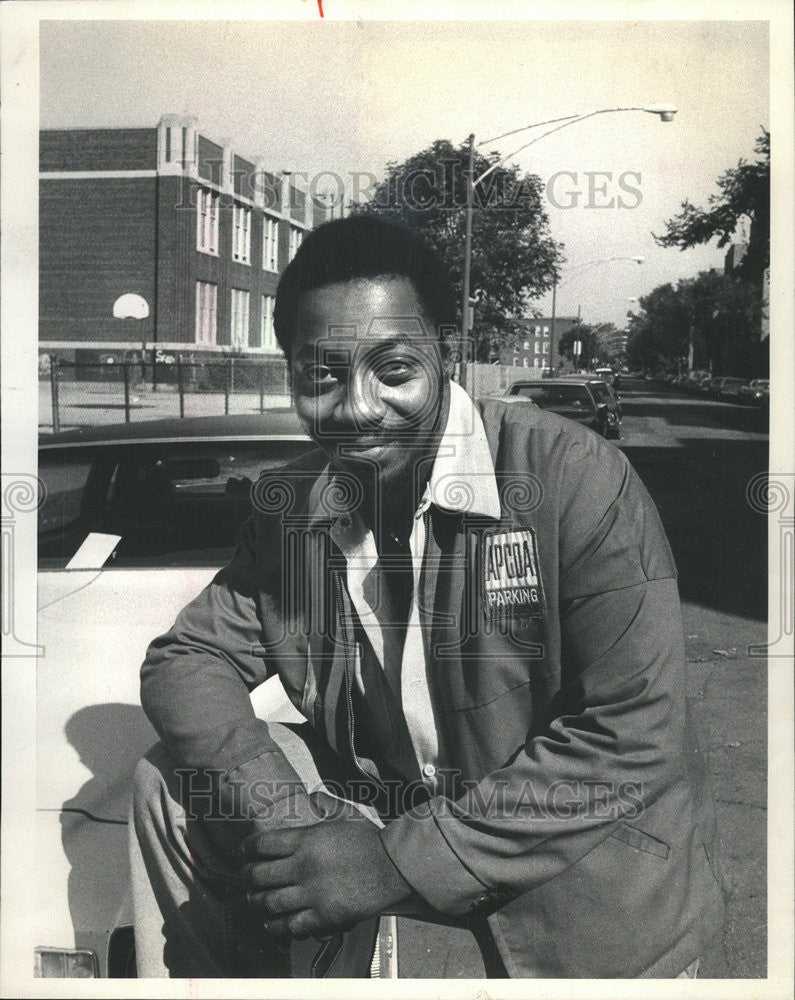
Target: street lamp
{"type": "Point", "coordinates": [665, 112]}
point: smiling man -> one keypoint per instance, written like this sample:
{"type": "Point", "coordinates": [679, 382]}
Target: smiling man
{"type": "Point", "coordinates": [475, 609]}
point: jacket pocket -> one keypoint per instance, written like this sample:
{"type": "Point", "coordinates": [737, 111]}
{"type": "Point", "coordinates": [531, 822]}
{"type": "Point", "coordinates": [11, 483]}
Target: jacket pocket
{"type": "Point", "coordinates": [641, 840]}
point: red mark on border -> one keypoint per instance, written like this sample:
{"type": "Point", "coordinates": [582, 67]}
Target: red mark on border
{"type": "Point", "coordinates": [320, 7]}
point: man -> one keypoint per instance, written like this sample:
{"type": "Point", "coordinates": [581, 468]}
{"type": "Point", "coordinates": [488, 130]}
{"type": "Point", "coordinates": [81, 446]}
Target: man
{"type": "Point", "coordinates": [475, 608]}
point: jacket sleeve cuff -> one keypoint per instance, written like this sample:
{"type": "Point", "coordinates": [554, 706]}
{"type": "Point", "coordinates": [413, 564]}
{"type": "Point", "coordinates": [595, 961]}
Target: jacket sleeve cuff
{"type": "Point", "coordinates": [265, 788]}
{"type": "Point", "coordinates": [419, 851]}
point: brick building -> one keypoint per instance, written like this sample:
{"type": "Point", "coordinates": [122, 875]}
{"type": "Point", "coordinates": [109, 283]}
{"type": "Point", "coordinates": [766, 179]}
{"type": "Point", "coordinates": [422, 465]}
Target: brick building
{"type": "Point", "coordinates": [533, 347]}
{"type": "Point", "coordinates": [189, 231]}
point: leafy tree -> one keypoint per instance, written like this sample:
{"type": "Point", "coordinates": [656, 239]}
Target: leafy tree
{"type": "Point", "coordinates": [714, 310]}
{"type": "Point", "coordinates": [601, 344]}
{"type": "Point", "coordinates": [589, 337]}
{"type": "Point", "coordinates": [514, 258]}
{"type": "Point", "coordinates": [719, 313]}
{"type": "Point", "coordinates": [744, 191]}
{"type": "Point", "coordinates": [609, 347]}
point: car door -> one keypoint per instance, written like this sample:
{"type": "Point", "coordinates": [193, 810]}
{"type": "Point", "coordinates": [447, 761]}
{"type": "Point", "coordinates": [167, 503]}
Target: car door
{"type": "Point", "coordinates": [128, 535]}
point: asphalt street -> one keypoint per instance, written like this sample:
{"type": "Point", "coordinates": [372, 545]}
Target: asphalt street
{"type": "Point", "coordinates": [697, 458]}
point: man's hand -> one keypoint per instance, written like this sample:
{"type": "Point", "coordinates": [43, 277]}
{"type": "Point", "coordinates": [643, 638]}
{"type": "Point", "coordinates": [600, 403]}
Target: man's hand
{"type": "Point", "coordinates": [310, 880]}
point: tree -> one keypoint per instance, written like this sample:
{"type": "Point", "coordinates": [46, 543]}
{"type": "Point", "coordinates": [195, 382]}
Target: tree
{"type": "Point", "coordinates": [724, 312]}
{"type": "Point", "coordinates": [713, 311]}
{"type": "Point", "coordinates": [514, 258]}
{"type": "Point", "coordinates": [588, 336]}
{"type": "Point", "coordinates": [744, 191]}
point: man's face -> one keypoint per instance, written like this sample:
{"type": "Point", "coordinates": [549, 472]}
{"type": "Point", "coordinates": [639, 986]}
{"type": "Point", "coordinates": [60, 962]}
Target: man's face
{"type": "Point", "coordinates": [367, 377]}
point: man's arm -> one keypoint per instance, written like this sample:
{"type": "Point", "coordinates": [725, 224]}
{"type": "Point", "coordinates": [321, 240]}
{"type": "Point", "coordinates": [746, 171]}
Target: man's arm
{"type": "Point", "coordinates": [195, 684]}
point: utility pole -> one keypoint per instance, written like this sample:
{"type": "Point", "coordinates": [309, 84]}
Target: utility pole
{"type": "Point", "coordinates": [467, 256]}
{"type": "Point", "coordinates": [552, 330]}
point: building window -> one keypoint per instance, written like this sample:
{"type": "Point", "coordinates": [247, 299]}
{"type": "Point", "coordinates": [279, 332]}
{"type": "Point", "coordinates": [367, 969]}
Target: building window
{"type": "Point", "coordinates": [267, 334]}
{"type": "Point", "coordinates": [516, 362]}
{"type": "Point", "coordinates": [270, 244]}
{"type": "Point", "coordinates": [546, 331]}
{"type": "Point", "coordinates": [241, 234]}
{"type": "Point", "coordinates": [206, 312]}
{"type": "Point", "coordinates": [239, 323]}
{"type": "Point", "coordinates": [525, 362]}
{"type": "Point", "coordinates": [527, 345]}
{"type": "Point", "coordinates": [207, 221]}
{"type": "Point", "coordinates": [536, 362]}
{"type": "Point", "coordinates": [546, 347]}
{"type": "Point", "coordinates": [537, 347]}
{"type": "Point", "coordinates": [537, 331]}
{"type": "Point", "coordinates": [296, 235]}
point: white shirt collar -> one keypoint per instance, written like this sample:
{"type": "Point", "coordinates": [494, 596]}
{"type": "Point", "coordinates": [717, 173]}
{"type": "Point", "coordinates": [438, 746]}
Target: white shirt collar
{"type": "Point", "coordinates": [462, 478]}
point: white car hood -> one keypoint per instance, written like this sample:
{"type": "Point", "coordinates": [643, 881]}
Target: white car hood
{"type": "Point", "coordinates": [95, 626]}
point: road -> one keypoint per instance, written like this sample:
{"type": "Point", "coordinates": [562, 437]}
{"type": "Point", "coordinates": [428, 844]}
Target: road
{"type": "Point", "coordinates": [697, 458]}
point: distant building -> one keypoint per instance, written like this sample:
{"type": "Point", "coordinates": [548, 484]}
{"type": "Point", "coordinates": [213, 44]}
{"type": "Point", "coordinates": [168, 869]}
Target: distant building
{"type": "Point", "coordinates": [734, 257]}
{"type": "Point", "coordinates": [534, 346]}
{"type": "Point", "coordinates": [186, 227]}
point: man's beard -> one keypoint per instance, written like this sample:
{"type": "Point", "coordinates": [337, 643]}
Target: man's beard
{"type": "Point", "coordinates": [390, 489]}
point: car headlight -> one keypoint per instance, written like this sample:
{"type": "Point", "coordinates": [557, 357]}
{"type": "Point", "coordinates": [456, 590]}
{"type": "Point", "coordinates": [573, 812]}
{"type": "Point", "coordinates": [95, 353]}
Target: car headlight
{"type": "Point", "coordinates": [65, 963]}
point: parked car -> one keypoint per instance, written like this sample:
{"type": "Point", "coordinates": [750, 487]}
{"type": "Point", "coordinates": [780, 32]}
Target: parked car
{"type": "Point", "coordinates": [756, 393]}
{"type": "Point", "coordinates": [693, 379]}
{"type": "Point", "coordinates": [610, 376]}
{"type": "Point", "coordinates": [703, 383]}
{"type": "Point", "coordinates": [730, 390]}
{"type": "Point", "coordinates": [136, 520]}
{"type": "Point", "coordinates": [588, 401]}
{"type": "Point", "coordinates": [715, 385]}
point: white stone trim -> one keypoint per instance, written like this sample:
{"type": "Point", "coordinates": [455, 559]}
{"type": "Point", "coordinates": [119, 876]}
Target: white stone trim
{"type": "Point", "coordinates": [58, 175]}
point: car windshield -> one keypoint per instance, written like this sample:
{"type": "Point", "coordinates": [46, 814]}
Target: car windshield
{"type": "Point", "coordinates": [601, 392]}
{"type": "Point", "coordinates": [173, 504]}
{"type": "Point", "coordinates": [556, 395]}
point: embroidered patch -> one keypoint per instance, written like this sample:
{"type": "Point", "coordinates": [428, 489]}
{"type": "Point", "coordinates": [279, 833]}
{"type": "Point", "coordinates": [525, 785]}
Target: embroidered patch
{"type": "Point", "coordinates": [511, 577]}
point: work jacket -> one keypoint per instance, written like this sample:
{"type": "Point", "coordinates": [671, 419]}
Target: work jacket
{"type": "Point", "coordinates": [574, 817]}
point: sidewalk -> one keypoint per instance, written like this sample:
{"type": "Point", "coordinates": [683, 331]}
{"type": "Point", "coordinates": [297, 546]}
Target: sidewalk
{"type": "Point", "coordinates": [727, 689]}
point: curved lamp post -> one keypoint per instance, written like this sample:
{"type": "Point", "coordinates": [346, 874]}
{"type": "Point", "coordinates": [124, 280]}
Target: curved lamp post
{"type": "Point", "coordinates": [665, 112]}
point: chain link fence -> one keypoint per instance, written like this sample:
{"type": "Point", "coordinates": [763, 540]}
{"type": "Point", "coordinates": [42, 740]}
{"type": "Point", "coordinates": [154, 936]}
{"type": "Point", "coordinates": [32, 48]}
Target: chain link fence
{"type": "Point", "coordinates": [79, 394]}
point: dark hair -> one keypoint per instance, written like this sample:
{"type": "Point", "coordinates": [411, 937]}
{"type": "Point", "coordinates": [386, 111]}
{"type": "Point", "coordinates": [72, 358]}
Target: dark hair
{"type": "Point", "coordinates": [363, 246]}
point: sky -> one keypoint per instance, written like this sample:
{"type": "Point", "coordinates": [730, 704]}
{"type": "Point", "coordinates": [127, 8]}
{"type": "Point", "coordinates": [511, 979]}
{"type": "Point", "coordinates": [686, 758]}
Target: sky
{"type": "Point", "coordinates": [349, 96]}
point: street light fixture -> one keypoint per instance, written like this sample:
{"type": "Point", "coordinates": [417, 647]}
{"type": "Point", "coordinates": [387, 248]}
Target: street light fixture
{"type": "Point", "coordinates": [665, 112]}
{"type": "Point", "coordinates": [573, 271]}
